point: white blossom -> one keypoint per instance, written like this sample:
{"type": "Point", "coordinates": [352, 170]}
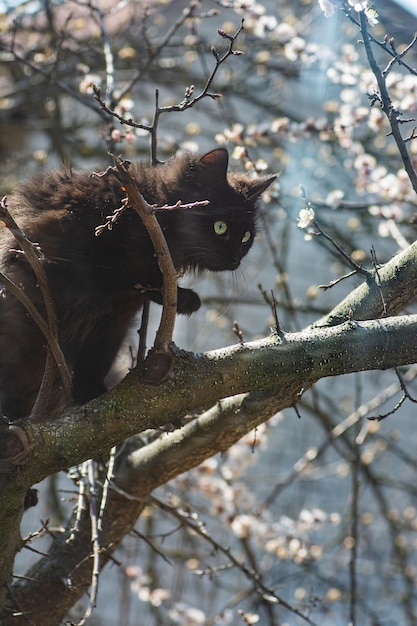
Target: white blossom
{"type": "Point", "coordinates": [371, 16]}
{"type": "Point", "coordinates": [305, 218]}
{"type": "Point", "coordinates": [359, 5]}
{"type": "Point", "coordinates": [327, 7]}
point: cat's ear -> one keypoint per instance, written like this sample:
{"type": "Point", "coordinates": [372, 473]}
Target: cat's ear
{"type": "Point", "coordinates": [259, 185]}
{"type": "Point", "coordinates": [215, 163]}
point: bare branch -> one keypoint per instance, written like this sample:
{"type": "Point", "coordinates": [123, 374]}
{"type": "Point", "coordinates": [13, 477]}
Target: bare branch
{"type": "Point", "coordinates": [197, 527]}
{"type": "Point", "coordinates": [154, 51]}
{"type": "Point", "coordinates": [389, 49]}
{"type": "Point", "coordinates": [50, 329]}
{"type": "Point", "coordinates": [189, 98]}
{"type": "Point", "coordinates": [387, 106]}
{"type": "Point", "coordinates": [160, 358]}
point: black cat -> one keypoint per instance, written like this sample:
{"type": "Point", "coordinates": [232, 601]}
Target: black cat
{"type": "Point", "coordinates": [100, 283]}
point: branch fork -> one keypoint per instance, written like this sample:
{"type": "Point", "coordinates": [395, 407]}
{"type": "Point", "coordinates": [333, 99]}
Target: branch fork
{"type": "Point", "coordinates": [156, 367]}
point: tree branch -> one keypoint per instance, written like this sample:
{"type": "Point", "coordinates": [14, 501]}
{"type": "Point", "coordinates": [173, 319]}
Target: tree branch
{"type": "Point", "coordinates": [282, 368]}
{"type": "Point", "coordinates": [50, 328]}
{"type": "Point", "coordinates": [387, 105]}
{"type": "Point", "coordinates": [157, 365]}
{"type": "Point", "coordinates": [396, 281]}
{"type": "Point", "coordinates": [293, 362]}
{"type": "Point", "coordinates": [263, 377]}
{"type": "Point", "coordinates": [189, 99]}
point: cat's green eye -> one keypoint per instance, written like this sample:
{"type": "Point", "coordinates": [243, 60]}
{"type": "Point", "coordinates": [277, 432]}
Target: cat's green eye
{"type": "Point", "coordinates": [220, 228]}
{"type": "Point", "coordinates": [246, 237]}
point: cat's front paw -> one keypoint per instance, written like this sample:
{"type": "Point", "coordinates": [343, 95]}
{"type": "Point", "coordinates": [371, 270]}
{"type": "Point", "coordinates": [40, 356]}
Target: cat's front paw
{"type": "Point", "coordinates": [188, 301]}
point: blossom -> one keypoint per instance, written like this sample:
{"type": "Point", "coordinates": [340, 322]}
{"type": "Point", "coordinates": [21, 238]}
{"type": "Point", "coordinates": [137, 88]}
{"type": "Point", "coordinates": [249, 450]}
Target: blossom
{"type": "Point", "coordinates": [327, 7]}
{"type": "Point", "coordinates": [364, 5]}
{"type": "Point", "coordinates": [305, 218]}
{"type": "Point", "coordinates": [371, 16]}
{"type": "Point", "coordinates": [359, 5]}
{"type": "Point", "coordinates": [88, 82]}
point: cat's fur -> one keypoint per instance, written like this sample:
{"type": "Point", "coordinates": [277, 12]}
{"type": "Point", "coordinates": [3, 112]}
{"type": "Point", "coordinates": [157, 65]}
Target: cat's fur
{"type": "Point", "coordinates": [99, 283]}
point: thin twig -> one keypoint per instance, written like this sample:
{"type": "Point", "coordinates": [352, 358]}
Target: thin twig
{"type": "Point", "coordinates": [314, 229]}
{"type": "Point", "coordinates": [188, 101]}
{"type": "Point", "coordinates": [357, 268]}
{"type": "Point", "coordinates": [107, 52]}
{"type": "Point", "coordinates": [81, 501]}
{"type": "Point", "coordinates": [383, 44]}
{"type": "Point", "coordinates": [37, 69]}
{"type": "Point", "coordinates": [334, 282]}
{"type": "Point", "coordinates": [386, 104]}
{"type": "Point", "coordinates": [32, 255]}
{"type": "Point", "coordinates": [238, 332]}
{"type": "Point", "coordinates": [117, 213]}
{"type": "Point", "coordinates": [378, 280]}
{"type": "Point", "coordinates": [406, 396]}
{"type": "Point", "coordinates": [95, 540]}
{"type": "Point", "coordinates": [268, 595]}
{"type": "Point", "coordinates": [354, 532]}
{"type": "Point", "coordinates": [151, 545]}
{"type": "Point", "coordinates": [88, 470]}
{"type": "Point", "coordinates": [105, 490]}
{"type": "Point", "coordinates": [154, 51]}
{"type": "Point", "coordinates": [20, 295]}
{"type": "Point", "coordinates": [398, 56]}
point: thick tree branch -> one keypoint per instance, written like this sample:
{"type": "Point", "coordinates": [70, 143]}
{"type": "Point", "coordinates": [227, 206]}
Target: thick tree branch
{"type": "Point", "coordinates": [264, 377]}
{"type": "Point", "coordinates": [396, 280]}
{"type": "Point", "coordinates": [294, 362]}
{"type": "Point", "coordinates": [285, 368]}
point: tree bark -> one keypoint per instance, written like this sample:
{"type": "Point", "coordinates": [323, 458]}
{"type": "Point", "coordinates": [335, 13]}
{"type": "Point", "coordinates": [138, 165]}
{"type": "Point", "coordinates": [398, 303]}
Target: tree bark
{"type": "Point", "coordinates": [263, 377]}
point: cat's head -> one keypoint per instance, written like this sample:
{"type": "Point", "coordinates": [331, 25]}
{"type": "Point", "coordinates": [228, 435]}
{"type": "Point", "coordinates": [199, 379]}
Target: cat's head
{"type": "Point", "coordinates": [217, 236]}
